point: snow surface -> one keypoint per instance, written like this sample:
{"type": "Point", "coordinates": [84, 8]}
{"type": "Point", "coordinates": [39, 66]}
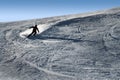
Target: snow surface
{"type": "Point", "coordinates": [41, 28]}
{"type": "Point", "coordinates": [72, 47]}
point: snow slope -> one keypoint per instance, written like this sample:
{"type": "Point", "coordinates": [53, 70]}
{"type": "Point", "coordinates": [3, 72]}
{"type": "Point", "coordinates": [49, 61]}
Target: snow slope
{"type": "Point", "coordinates": [41, 28]}
{"type": "Point", "coordinates": [72, 47]}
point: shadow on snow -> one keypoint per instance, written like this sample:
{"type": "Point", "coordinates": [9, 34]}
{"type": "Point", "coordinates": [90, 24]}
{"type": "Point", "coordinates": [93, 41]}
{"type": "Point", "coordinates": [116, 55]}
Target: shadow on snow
{"type": "Point", "coordinates": [60, 38]}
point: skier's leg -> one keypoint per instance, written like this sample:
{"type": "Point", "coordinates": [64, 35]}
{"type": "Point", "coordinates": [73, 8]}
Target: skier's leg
{"type": "Point", "coordinates": [30, 34]}
{"type": "Point", "coordinates": [34, 33]}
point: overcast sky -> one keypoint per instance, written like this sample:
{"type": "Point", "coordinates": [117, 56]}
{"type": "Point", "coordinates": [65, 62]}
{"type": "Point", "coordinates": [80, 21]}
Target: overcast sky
{"type": "Point", "coordinates": [12, 10]}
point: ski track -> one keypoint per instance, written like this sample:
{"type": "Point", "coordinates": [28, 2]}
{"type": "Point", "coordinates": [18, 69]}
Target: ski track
{"type": "Point", "coordinates": [112, 31]}
{"type": "Point", "coordinates": [41, 28]}
{"type": "Point", "coordinates": [48, 71]}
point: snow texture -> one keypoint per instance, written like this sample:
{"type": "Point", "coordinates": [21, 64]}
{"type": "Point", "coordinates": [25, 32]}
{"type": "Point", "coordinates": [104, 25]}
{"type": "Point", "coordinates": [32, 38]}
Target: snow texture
{"type": "Point", "coordinates": [72, 47]}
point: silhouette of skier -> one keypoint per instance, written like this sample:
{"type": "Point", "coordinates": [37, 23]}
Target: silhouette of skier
{"type": "Point", "coordinates": [34, 31]}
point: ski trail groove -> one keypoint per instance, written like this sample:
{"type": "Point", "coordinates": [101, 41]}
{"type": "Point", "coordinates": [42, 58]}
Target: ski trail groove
{"type": "Point", "coordinates": [48, 71]}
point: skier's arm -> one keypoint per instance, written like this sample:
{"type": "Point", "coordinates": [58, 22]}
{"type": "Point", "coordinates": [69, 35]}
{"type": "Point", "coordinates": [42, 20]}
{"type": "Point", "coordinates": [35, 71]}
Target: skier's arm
{"type": "Point", "coordinates": [37, 29]}
{"type": "Point", "coordinates": [31, 27]}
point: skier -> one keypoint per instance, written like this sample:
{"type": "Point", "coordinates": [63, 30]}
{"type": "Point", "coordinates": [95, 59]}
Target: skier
{"type": "Point", "coordinates": [34, 31]}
